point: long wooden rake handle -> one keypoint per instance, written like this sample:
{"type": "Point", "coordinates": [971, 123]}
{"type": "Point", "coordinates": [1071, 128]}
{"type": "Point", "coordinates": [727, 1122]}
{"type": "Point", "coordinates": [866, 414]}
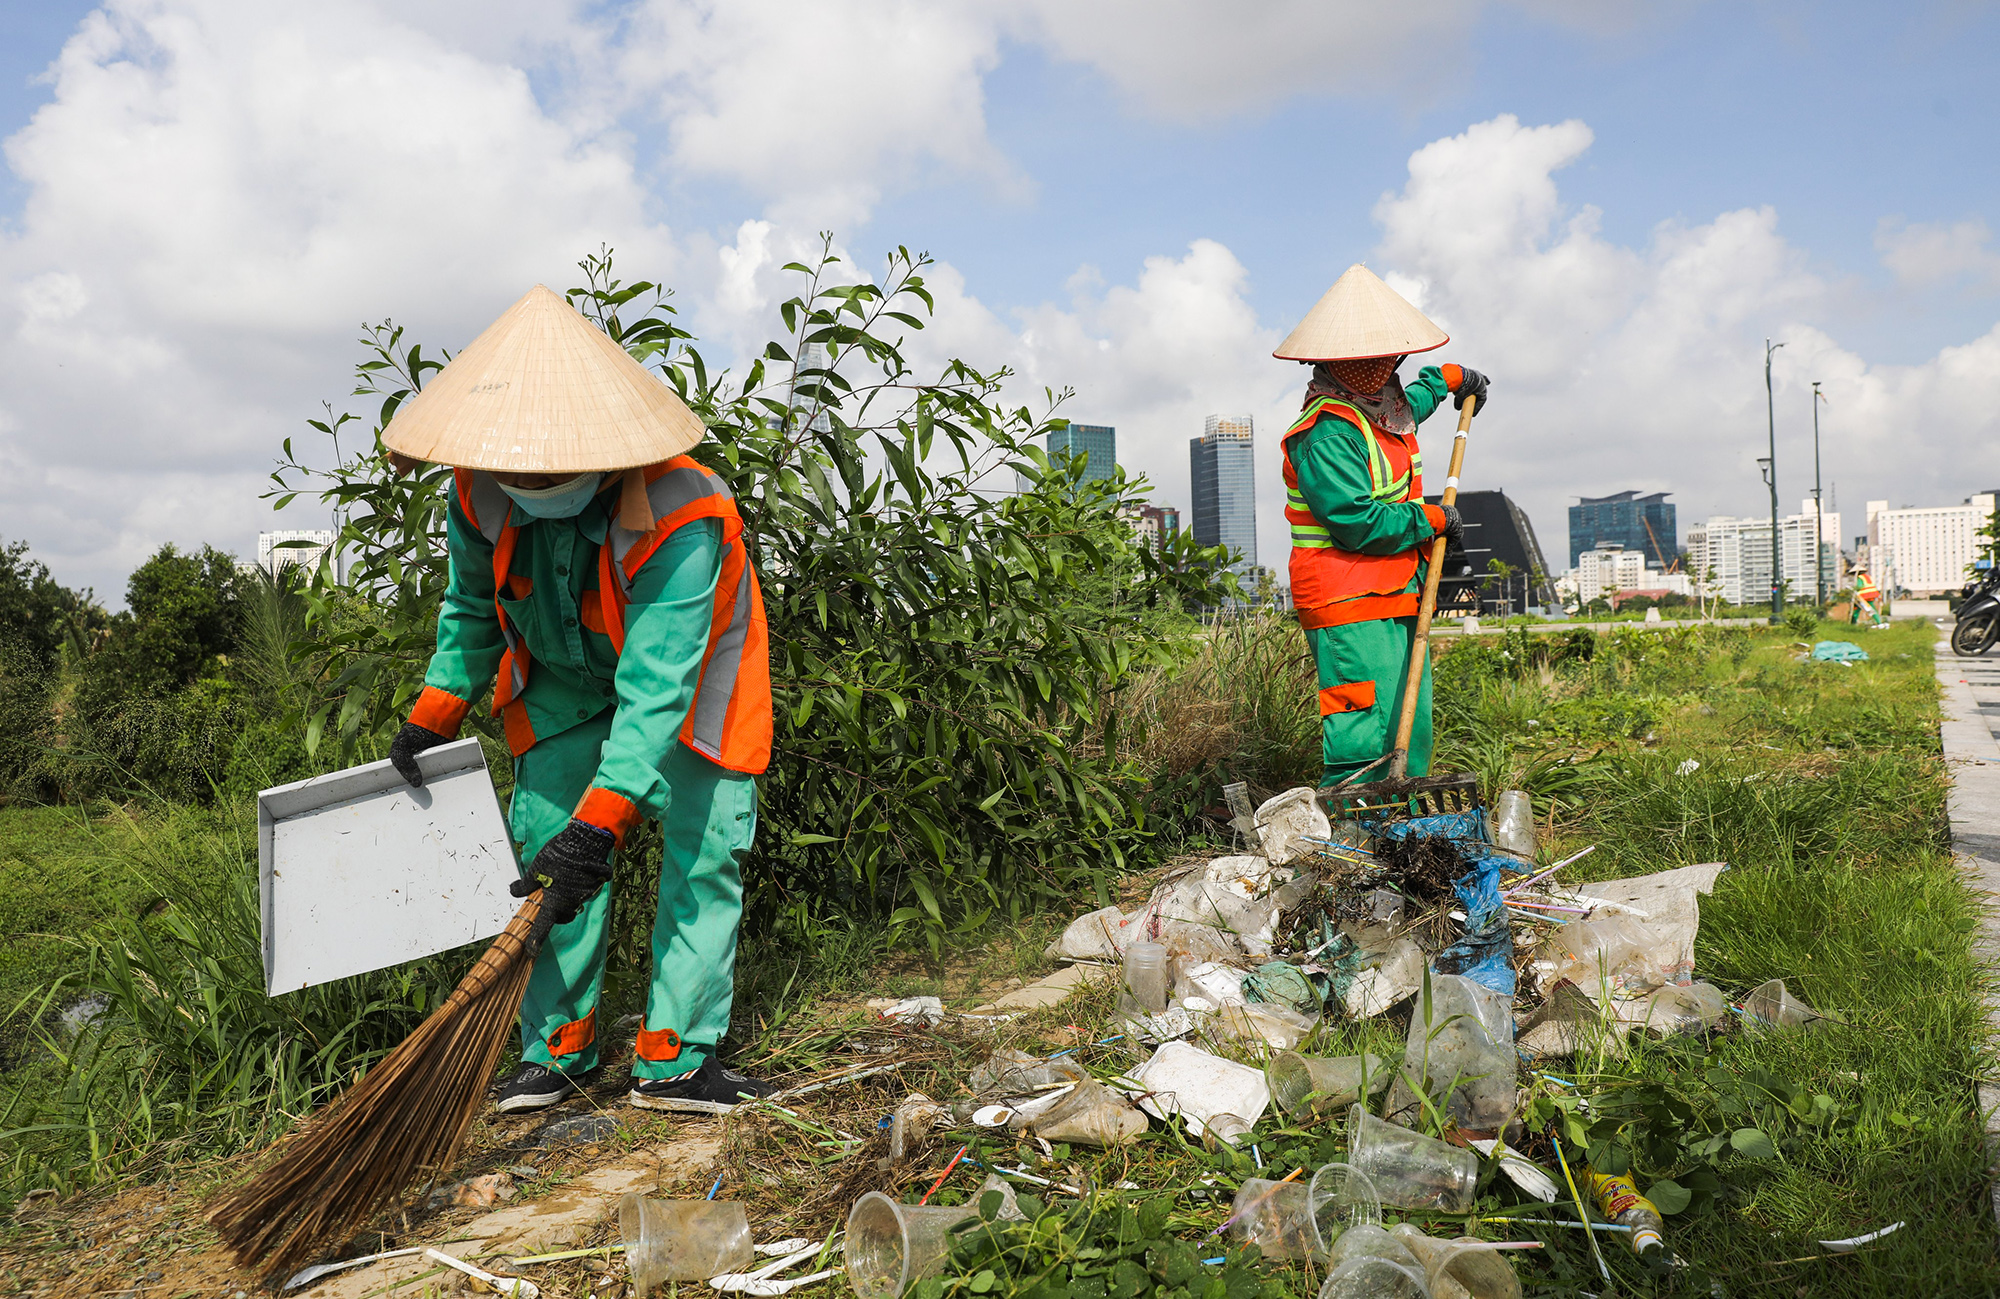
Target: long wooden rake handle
{"type": "Point", "coordinates": [1420, 645]}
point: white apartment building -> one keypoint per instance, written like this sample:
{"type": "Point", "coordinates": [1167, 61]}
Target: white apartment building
{"type": "Point", "coordinates": [1604, 572]}
{"type": "Point", "coordinates": [1733, 556]}
{"type": "Point", "coordinates": [1925, 550]}
{"type": "Point", "coordinates": [273, 554]}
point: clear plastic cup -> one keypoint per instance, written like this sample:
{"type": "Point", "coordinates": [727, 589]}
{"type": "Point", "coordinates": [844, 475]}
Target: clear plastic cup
{"type": "Point", "coordinates": [1374, 1278]}
{"type": "Point", "coordinates": [1091, 1115]}
{"type": "Point", "coordinates": [1277, 1218]}
{"type": "Point", "coordinates": [1512, 821]}
{"type": "Point", "coordinates": [1302, 1083]}
{"type": "Point", "coordinates": [1408, 1169]}
{"type": "Point", "coordinates": [682, 1240]}
{"type": "Point", "coordinates": [1341, 1198]}
{"type": "Point", "coordinates": [1475, 1266]}
{"type": "Point", "coordinates": [1372, 1240]}
{"type": "Point", "coordinates": [1223, 1130]}
{"type": "Point", "coordinates": [889, 1245]}
{"type": "Point", "coordinates": [1772, 1005]}
{"type": "Point", "coordinates": [1145, 989]}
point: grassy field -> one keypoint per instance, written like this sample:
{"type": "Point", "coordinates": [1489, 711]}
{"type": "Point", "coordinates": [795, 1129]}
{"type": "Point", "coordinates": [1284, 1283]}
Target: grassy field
{"type": "Point", "coordinates": [1819, 784]}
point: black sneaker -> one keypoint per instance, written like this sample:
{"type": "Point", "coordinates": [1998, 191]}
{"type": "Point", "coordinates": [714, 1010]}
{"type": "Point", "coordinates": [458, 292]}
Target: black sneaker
{"type": "Point", "coordinates": [710, 1089]}
{"type": "Point", "coordinates": [533, 1087]}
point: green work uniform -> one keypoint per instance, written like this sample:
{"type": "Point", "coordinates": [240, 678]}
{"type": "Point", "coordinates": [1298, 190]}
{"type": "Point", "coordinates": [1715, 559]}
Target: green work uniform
{"type": "Point", "coordinates": [610, 721]}
{"type": "Point", "coordinates": [1331, 459]}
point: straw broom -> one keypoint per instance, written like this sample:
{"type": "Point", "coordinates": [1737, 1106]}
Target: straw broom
{"type": "Point", "coordinates": [408, 1114]}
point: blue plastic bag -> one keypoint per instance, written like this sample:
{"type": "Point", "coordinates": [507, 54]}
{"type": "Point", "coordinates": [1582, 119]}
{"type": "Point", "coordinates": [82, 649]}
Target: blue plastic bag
{"type": "Point", "coordinates": [1486, 953]}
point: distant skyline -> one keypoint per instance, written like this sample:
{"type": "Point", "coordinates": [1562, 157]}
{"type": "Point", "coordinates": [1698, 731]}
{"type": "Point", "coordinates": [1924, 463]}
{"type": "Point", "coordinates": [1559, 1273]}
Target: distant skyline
{"type": "Point", "coordinates": [1609, 207]}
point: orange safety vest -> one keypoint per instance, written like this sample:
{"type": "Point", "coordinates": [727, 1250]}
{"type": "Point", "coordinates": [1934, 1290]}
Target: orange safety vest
{"type": "Point", "coordinates": [1330, 586]}
{"type": "Point", "coordinates": [1864, 586]}
{"type": "Point", "coordinates": [729, 722]}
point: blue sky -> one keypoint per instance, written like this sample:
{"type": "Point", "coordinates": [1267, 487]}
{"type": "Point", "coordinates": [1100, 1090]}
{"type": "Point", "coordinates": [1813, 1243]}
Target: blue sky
{"type": "Point", "coordinates": [1136, 203]}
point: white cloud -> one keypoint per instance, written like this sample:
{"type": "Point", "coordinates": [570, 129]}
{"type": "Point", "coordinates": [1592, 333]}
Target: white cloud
{"type": "Point", "coordinates": [1924, 255]}
{"type": "Point", "coordinates": [217, 196]}
{"type": "Point", "coordinates": [1617, 367]}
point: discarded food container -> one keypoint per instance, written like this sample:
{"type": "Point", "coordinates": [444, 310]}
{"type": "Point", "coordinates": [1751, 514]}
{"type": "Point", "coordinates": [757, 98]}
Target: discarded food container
{"type": "Point", "coordinates": [1277, 1218]}
{"type": "Point", "coordinates": [682, 1240]}
{"type": "Point", "coordinates": [1223, 1130]}
{"type": "Point", "coordinates": [1302, 1084]}
{"type": "Point", "coordinates": [1342, 1198]}
{"type": "Point", "coordinates": [1408, 1169]}
{"type": "Point", "coordinates": [1470, 1265]}
{"type": "Point", "coordinates": [1183, 1079]}
{"type": "Point", "coordinates": [889, 1245]}
{"type": "Point", "coordinates": [1275, 1026]}
{"type": "Point", "coordinates": [1513, 823]}
{"type": "Point", "coordinates": [1091, 1115]}
{"type": "Point", "coordinates": [1367, 1277]}
{"type": "Point", "coordinates": [1145, 984]}
{"type": "Point", "coordinates": [1603, 954]}
{"type": "Point", "coordinates": [1773, 1006]}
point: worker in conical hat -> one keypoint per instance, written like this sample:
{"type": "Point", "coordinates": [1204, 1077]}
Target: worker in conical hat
{"type": "Point", "coordinates": [1355, 501]}
{"type": "Point", "coordinates": [599, 585]}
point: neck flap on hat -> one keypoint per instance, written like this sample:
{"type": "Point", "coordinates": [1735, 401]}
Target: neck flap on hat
{"type": "Point", "coordinates": [1388, 408]}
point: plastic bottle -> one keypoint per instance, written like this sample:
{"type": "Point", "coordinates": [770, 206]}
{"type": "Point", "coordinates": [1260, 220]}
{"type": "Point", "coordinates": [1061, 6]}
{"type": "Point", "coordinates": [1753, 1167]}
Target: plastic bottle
{"type": "Point", "coordinates": [1620, 1202]}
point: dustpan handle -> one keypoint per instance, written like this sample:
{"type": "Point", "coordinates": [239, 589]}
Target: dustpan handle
{"type": "Point", "coordinates": [1399, 756]}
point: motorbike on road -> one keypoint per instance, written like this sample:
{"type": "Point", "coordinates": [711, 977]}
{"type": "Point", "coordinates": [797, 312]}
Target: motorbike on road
{"type": "Point", "coordinates": [1978, 612]}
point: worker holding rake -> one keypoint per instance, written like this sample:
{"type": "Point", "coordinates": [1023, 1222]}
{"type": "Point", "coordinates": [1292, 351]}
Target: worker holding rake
{"type": "Point", "coordinates": [600, 585]}
{"type": "Point", "coordinates": [1354, 499]}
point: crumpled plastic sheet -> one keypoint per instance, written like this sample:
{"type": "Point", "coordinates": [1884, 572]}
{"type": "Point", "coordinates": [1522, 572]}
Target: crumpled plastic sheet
{"type": "Point", "coordinates": [1486, 953]}
{"type": "Point", "coordinates": [1283, 984]}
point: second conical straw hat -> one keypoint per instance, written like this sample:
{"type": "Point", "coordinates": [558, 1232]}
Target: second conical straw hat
{"type": "Point", "coordinates": [1360, 316]}
{"type": "Point", "coordinates": [543, 391]}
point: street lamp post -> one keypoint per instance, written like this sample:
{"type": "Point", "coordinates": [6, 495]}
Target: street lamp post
{"type": "Point", "coordinates": [1771, 481]}
{"type": "Point", "coordinates": [1819, 508]}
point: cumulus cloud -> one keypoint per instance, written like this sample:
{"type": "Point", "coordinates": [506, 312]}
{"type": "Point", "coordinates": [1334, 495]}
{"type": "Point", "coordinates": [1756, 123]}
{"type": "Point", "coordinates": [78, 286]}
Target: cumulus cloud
{"type": "Point", "coordinates": [1925, 255]}
{"type": "Point", "coordinates": [217, 196]}
{"type": "Point", "coordinates": [1641, 367]}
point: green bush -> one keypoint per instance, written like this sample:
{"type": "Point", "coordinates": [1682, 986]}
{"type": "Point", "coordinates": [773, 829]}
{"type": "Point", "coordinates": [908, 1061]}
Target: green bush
{"type": "Point", "coordinates": [945, 653]}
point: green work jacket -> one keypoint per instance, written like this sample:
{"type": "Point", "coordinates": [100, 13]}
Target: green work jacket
{"type": "Point", "coordinates": [574, 673]}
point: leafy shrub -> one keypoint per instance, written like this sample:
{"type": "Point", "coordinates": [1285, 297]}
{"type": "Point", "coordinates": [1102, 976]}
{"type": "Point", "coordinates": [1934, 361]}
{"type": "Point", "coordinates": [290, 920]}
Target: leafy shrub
{"type": "Point", "coordinates": [944, 654]}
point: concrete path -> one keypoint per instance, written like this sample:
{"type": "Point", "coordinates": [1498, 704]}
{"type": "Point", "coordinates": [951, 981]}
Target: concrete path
{"type": "Point", "coordinates": [1971, 737]}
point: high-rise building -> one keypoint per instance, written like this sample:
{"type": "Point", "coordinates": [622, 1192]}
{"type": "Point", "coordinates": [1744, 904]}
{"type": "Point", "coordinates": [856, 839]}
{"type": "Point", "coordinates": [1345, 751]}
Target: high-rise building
{"type": "Point", "coordinates": [1096, 443]}
{"type": "Point", "coordinates": [1497, 528]}
{"type": "Point", "coordinates": [1153, 525]}
{"type": "Point", "coordinates": [1221, 466]}
{"type": "Point", "coordinates": [1925, 550]}
{"type": "Point", "coordinates": [273, 554]}
{"type": "Point", "coordinates": [1730, 558]}
{"type": "Point", "coordinates": [1604, 572]}
{"type": "Point", "coordinates": [1634, 522]}
{"type": "Point", "coordinates": [811, 404]}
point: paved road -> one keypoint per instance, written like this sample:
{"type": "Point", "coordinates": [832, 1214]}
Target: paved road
{"type": "Point", "coordinates": [1971, 738]}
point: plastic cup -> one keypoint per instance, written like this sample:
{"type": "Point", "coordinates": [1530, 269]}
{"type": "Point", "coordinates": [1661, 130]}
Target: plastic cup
{"type": "Point", "coordinates": [1482, 1271]}
{"type": "Point", "coordinates": [1145, 990]}
{"type": "Point", "coordinates": [1300, 1083]}
{"type": "Point", "coordinates": [1223, 1130]}
{"type": "Point", "coordinates": [889, 1245]}
{"type": "Point", "coordinates": [1408, 1169]}
{"type": "Point", "coordinates": [1367, 1277]}
{"type": "Point", "coordinates": [1277, 1218]}
{"type": "Point", "coordinates": [1772, 1005]}
{"type": "Point", "coordinates": [682, 1240]}
{"type": "Point", "coordinates": [1512, 821]}
{"type": "Point", "coordinates": [1341, 1198]}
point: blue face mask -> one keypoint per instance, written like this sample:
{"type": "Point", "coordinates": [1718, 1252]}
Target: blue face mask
{"type": "Point", "coordinates": [563, 501]}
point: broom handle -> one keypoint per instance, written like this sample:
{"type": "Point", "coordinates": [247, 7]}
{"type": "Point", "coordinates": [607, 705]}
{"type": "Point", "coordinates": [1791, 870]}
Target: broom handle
{"type": "Point", "coordinates": [517, 939]}
{"type": "Point", "coordinates": [1399, 758]}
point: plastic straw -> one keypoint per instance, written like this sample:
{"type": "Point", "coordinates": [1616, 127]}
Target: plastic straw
{"type": "Point", "coordinates": [1550, 906]}
{"type": "Point", "coordinates": [1581, 1212]}
{"type": "Point", "coordinates": [1550, 871]}
{"type": "Point", "coordinates": [1568, 1222]}
{"type": "Point", "coordinates": [941, 1176]}
{"type": "Point", "coordinates": [713, 1189]}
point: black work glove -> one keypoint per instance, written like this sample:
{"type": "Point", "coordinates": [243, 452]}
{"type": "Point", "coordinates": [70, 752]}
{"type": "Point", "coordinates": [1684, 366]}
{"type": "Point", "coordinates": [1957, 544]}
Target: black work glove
{"type": "Point", "coordinates": [1471, 383]}
{"type": "Point", "coordinates": [1454, 528]}
{"type": "Point", "coordinates": [409, 742]}
{"type": "Point", "coordinates": [568, 870]}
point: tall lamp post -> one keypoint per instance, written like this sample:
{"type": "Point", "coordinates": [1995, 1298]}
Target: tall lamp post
{"type": "Point", "coordinates": [1819, 507]}
{"type": "Point", "coordinates": [1770, 464]}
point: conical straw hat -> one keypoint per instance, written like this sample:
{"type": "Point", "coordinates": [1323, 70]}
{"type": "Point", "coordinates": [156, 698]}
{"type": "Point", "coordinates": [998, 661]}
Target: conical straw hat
{"type": "Point", "coordinates": [1360, 317]}
{"type": "Point", "coordinates": [543, 391]}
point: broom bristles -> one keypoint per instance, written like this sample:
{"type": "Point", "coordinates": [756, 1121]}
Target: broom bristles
{"type": "Point", "coordinates": [408, 1113]}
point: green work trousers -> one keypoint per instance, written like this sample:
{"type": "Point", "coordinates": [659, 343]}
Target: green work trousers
{"type": "Point", "coordinates": [1376, 652]}
{"type": "Point", "coordinates": [709, 825]}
